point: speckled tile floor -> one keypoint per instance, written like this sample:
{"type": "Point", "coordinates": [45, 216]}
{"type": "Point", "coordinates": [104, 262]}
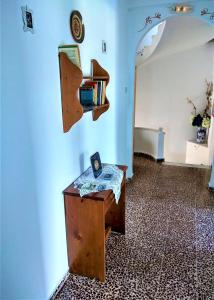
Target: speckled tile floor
{"type": "Point", "coordinates": [168, 249]}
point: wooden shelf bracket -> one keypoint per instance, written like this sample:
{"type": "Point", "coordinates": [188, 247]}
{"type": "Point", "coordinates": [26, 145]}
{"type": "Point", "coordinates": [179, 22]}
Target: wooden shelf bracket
{"type": "Point", "coordinates": [71, 78]}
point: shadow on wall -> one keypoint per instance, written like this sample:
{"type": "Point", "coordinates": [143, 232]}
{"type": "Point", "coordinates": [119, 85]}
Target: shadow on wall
{"type": "Point", "coordinates": [121, 100]}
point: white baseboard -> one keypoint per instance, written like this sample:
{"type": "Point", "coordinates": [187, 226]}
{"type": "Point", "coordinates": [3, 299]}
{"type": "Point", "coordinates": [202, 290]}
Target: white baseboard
{"type": "Point", "coordinates": [186, 165]}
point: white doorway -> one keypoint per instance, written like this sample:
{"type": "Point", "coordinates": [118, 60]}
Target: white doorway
{"type": "Point", "coordinates": [176, 68]}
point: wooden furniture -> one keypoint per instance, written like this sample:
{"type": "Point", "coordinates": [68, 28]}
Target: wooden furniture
{"type": "Point", "coordinates": [71, 78]}
{"type": "Point", "coordinates": [89, 221]}
{"type": "Point", "coordinates": [198, 154]}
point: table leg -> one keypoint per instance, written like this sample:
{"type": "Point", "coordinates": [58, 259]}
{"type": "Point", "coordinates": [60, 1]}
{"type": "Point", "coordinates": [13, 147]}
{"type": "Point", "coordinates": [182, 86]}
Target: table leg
{"type": "Point", "coordinates": [115, 216]}
{"type": "Point", "coordinates": [85, 225]}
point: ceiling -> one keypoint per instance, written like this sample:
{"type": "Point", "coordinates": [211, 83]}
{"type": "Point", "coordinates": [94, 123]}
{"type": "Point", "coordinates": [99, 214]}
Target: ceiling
{"type": "Point", "coordinates": [182, 33]}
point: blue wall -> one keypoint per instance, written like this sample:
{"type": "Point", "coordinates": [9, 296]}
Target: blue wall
{"type": "Point", "coordinates": [38, 159]}
{"type": "Point", "coordinates": [0, 156]}
{"type": "Point", "coordinates": [211, 183]}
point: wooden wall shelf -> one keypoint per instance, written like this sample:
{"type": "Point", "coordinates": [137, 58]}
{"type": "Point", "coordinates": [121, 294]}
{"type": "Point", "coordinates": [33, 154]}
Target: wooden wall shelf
{"type": "Point", "coordinates": [96, 77]}
{"type": "Point", "coordinates": [71, 78]}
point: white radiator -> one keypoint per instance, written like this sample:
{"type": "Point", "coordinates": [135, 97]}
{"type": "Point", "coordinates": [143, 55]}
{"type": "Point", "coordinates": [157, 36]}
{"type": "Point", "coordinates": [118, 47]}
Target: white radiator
{"type": "Point", "coordinates": [149, 141]}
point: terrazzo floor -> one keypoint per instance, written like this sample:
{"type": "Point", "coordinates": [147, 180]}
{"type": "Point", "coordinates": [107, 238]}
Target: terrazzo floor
{"type": "Point", "coordinates": [168, 249]}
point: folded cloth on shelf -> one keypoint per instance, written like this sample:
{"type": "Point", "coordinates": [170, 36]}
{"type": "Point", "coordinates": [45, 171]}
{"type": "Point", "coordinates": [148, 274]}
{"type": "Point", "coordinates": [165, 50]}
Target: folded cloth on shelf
{"type": "Point", "coordinates": [110, 179]}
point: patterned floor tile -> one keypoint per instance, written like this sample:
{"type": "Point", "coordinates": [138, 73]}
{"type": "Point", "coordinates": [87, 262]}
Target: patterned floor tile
{"type": "Point", "coordinates": [205, 230]}
{"type": "Point", "coordinates": [168, 250]}
{"type": "Point", "coordinates": [205, 275]}
{"type": "Point", "coordinates": [178, 279]}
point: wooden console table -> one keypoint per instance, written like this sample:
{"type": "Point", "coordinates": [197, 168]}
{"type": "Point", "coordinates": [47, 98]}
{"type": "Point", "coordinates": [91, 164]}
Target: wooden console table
{"type": "Point", "coordinates": [89, 221]}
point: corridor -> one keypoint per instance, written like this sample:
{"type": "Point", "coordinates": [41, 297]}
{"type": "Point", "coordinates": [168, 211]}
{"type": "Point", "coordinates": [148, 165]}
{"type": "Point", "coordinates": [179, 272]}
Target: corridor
{"type": "Point", "coordinates": [168, 249]}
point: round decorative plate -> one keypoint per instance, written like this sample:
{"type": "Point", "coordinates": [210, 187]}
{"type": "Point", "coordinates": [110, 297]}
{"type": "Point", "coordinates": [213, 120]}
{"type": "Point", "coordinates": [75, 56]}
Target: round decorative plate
{"type": "Point", "coordinates": [77, 27]}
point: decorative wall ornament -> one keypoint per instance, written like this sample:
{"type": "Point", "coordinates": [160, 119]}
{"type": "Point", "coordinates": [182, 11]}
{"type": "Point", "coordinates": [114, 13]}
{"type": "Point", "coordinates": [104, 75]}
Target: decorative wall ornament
{"type": "Point", "coordinates": [77, 27]}
{"type": "Point", "coordinates": [140, 52]}
{"type": "Point", "coordinates": [205, 11]}
{"type": "Point", "coordinates": [180, 9]}
{"type": "Point", "coordinates": [149, 20]}
{"type": "Point", "coordinates": [27, 17]}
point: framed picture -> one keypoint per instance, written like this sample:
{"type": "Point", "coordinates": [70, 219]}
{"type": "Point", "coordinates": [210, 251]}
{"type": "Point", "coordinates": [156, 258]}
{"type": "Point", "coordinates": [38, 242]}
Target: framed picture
{"type": "Point", "coordinates": [96, 164]}
{"type": "Point", "coordinates": [27, 17]}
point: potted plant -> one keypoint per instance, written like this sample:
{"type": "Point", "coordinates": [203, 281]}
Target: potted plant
{"type": "Point", "coordinates": [202, 120]}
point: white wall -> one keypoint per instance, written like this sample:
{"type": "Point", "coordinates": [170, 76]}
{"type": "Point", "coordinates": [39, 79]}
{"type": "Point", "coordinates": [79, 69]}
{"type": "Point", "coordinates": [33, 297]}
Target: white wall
{"type": "Point", "coordinates": [162, 88]}
{"type": "Point", "coordinates": [38, 159]}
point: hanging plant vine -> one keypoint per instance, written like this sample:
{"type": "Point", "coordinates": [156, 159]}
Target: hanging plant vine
{"type": "Point", "coordinates": [149, 20]}
{"type": "Point", "coordinates": [205, 11]}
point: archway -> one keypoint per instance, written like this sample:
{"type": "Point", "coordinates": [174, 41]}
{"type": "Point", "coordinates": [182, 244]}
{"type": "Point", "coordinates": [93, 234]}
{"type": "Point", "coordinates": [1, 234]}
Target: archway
{"type": "Point", "coordinates": [141, 20]}
{"type": "Point", "coordinates": [172, 67]}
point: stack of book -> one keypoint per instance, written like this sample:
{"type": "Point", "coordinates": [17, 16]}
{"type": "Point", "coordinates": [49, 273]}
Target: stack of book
{"type": "Point", "coordinates": [93, 93]}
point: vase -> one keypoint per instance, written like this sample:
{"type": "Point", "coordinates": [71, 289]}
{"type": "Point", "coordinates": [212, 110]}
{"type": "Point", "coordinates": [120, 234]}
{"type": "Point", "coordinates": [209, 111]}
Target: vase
{"type": "Point", "coordinates": [201, 135]}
